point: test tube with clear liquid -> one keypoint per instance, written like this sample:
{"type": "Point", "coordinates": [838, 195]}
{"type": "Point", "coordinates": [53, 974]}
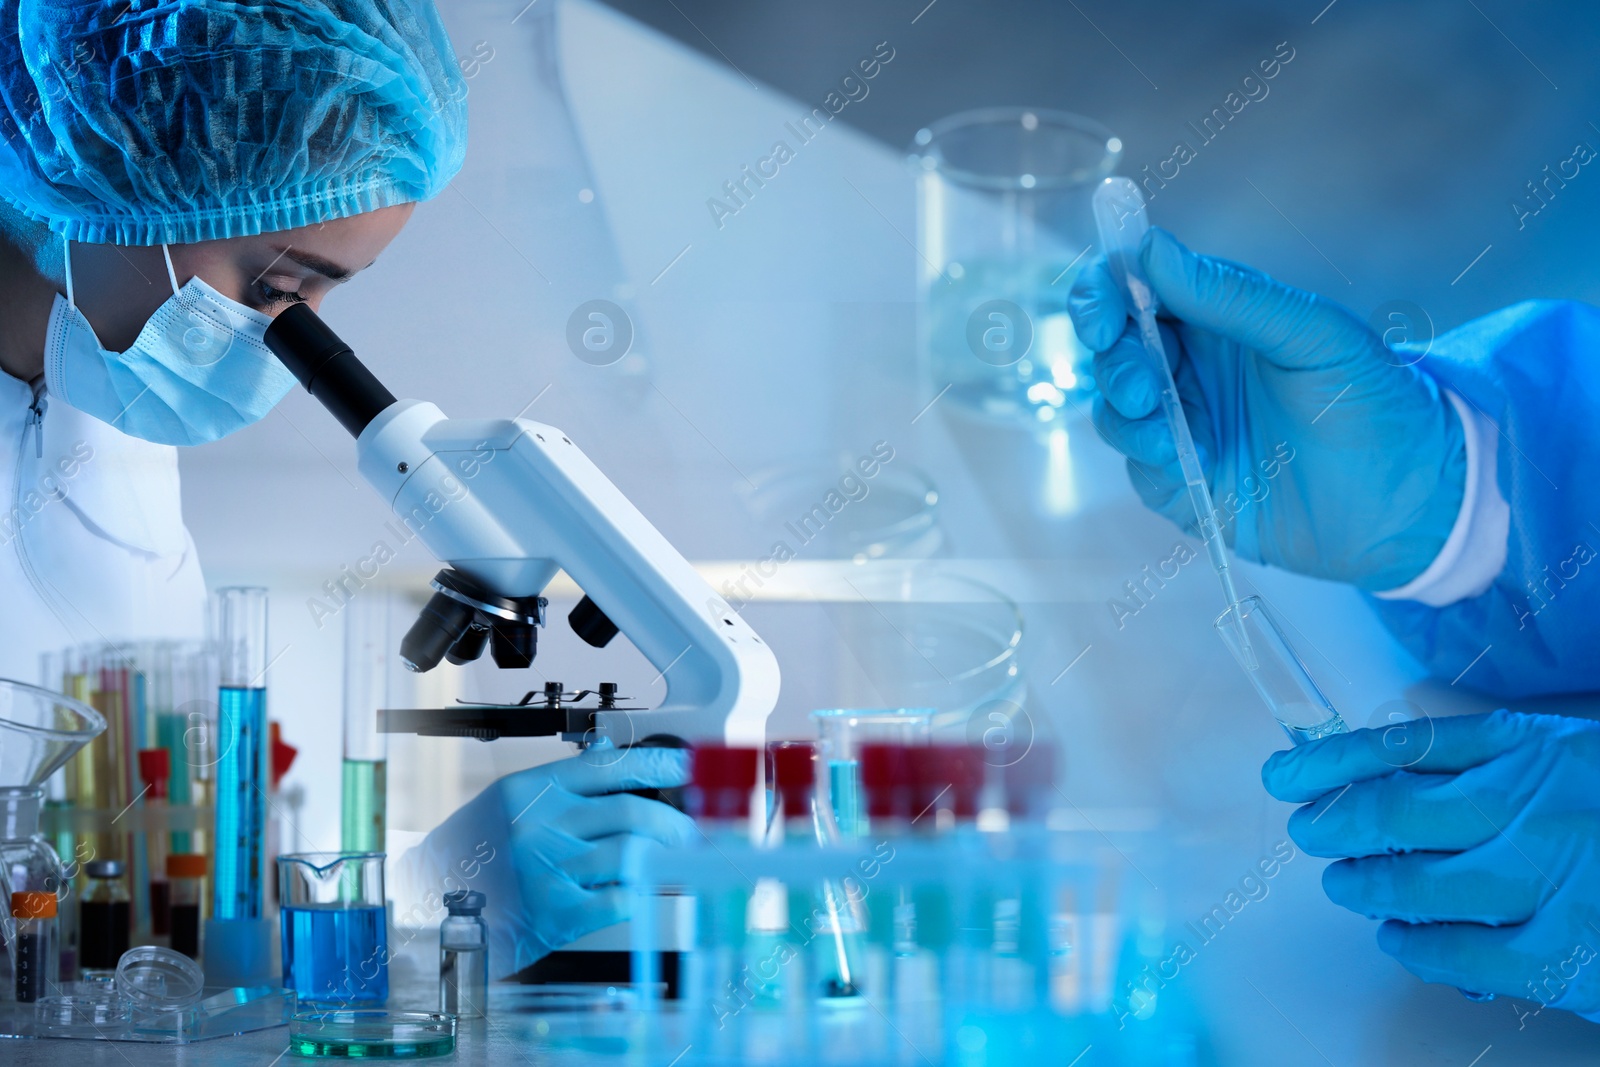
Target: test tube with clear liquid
{"type": "Point", "coordinates": [1280, 677]}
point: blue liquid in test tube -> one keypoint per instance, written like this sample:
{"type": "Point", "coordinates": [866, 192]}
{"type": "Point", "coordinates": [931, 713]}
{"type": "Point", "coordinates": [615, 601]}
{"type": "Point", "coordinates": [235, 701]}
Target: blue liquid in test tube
{"type": "Point", "coordinates": [241, 802]}
{"type": "Point", "coordinates": [241, 776]}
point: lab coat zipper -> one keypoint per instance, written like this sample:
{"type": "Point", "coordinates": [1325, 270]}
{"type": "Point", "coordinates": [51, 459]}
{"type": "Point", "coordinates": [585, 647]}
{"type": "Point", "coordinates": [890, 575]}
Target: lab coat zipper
{"type": "Point", "coordinates": [34, 422]}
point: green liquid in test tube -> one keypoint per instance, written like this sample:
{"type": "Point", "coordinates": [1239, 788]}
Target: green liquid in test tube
{"type": "Point", "coordinates": [366, 674]}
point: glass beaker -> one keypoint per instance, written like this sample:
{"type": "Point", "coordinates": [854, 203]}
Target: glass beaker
{"type": "Point", "coordinates": [335, 931]}
{"type": "Point", "coordinates": [1004, 224]}
{"type": "Point", "coordinates": [842, 732]}
{"type": "Point", "coordinates": [1278, 674]}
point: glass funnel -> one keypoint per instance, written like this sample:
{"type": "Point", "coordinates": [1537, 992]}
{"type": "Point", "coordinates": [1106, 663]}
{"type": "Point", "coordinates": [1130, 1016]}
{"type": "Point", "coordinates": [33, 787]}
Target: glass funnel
{"type": "Point", "coordinates": [40, 731]}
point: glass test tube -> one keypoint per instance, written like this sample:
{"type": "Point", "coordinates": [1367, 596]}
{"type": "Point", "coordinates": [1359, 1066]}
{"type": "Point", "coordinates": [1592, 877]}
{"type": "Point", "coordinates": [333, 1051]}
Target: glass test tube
{"type": "Point", "coordinates": [824, 916]}
{"type": "Point", "coordinates": [191, 736]}
{"type": "Point", "coordinates": [366, 676]}
{"type": "Point", "coordinates": [185, 874]}
{"type": "Point", "coordinates": [722, 785]}
{"type": "Point", "coordinates": [35, 957]}
{"type": "Point", "coordinates": [155, 767]}
{"type": "Point", "coordinates": [1279, 675]}
{"type": "Point", "coordinates": [241, 753]}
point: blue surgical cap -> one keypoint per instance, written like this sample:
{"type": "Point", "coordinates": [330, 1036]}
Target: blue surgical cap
{"type": "Point", "coordinates": [139, 122]}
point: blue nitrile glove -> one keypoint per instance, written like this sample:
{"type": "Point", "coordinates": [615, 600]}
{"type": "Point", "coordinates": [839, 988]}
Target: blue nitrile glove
{"type": "Point", "coordinates": [1324, 454]}
{"type": "Point", "coordinates": [1477, 838]}
{"type": "Point", "coordinates": [545, 848]}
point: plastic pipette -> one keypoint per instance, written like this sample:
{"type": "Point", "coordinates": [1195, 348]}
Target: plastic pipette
{"type": "Point", "coordinates": [1120, 216]}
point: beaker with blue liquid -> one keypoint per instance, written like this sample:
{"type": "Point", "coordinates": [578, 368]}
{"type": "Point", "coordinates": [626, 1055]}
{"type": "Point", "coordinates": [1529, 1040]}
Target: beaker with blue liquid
{"type": "Point", "coordinates": [335, 930]}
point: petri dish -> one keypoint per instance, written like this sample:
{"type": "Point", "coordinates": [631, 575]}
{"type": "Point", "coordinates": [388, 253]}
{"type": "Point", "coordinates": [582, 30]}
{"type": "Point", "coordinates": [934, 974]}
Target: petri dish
{"type": "Point", "coordinates": [824, 508]}
{"type": "Point", "coordinates": [89, 1015]}
{"type": "Point", "coordinates": [373, 1035]}
{"type": "Point", "coordinates": [158, 979]}
{"type": "Point", "coordinates": [921, 638]}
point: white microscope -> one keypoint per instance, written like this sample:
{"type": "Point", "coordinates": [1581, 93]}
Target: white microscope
{"type": "Point", "coordinates": [506, 503]}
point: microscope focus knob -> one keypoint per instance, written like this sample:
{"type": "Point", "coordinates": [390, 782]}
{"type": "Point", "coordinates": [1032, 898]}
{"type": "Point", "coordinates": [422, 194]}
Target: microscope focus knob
{"type": "Point", "coordinates": [591, 624]}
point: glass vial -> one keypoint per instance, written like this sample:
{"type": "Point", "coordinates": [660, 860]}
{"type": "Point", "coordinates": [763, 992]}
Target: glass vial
{"type": "Point", "coordinates": [185, 875]}
{"type": "Point", "coordinates": [464, 956]}
{"type": "Point", "coordinates": [35, 954]}
{"type": "Point", "coordinates": [105, 915]}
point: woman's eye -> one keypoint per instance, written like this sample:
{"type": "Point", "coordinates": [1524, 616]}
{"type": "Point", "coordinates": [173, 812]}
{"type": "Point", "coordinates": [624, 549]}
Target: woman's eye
{"type": "Point", "coordinates": [271, 297]}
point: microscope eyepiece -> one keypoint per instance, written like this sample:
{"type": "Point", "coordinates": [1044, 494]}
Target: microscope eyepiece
{"type": "Point", "coordinates": [327, 367]}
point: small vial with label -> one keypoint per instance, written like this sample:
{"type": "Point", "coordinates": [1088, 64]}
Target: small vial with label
{"type": "Point", "coordinates": [464, 956]}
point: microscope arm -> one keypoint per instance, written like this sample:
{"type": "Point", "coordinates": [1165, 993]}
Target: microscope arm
{"type": "Point", "coordinates": [509, 502]}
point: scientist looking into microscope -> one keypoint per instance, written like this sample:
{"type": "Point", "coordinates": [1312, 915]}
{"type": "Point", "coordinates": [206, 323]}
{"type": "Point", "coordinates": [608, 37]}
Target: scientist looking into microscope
{"type": "Point", "coordinates": [1429, 480]}
{"type": "Point", "coordinates": [171, 178]}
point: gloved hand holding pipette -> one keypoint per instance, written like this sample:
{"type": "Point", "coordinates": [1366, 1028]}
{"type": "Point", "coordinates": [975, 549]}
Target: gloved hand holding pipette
{"type": "Point", "coordinates": [1266, 371]}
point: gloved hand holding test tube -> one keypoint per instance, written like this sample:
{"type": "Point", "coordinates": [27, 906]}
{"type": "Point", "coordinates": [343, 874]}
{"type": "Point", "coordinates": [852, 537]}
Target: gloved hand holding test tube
{"type": "Point", "coordinates": [1247, 626]}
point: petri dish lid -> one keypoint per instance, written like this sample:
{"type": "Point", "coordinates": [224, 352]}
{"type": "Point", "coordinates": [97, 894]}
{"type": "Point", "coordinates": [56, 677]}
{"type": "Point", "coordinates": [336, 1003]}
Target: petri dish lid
{"type": "Point", "coordinates": [372, 1034]}
{"type": "Point", "coordinates": [159, 979]}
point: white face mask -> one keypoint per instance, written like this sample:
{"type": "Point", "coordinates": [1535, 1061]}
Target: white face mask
{"type": "Point", "coordinates": [198, 371]}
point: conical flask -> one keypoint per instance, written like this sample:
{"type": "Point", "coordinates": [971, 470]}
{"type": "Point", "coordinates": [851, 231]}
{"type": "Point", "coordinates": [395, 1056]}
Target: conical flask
{"type": "Point", "coordinates": [40, 731]}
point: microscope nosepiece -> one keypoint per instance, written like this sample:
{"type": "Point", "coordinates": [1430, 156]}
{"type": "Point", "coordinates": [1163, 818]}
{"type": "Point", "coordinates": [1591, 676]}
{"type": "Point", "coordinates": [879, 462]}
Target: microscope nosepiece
{"type": "Point", "coordinates": [443, 622]}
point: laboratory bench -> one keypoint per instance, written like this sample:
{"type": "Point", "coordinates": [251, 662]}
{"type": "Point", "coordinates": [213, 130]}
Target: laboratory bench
{"type": "Point", "coordinates": [789, 329]}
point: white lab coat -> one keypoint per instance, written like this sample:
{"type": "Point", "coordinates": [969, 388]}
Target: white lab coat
{"type": "Point", "coordinates": [93, 548]}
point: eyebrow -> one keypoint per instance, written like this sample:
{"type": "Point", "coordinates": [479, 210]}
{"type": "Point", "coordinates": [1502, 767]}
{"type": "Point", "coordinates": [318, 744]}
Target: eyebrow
{"type": "Point", "coordinates": [325, 267]}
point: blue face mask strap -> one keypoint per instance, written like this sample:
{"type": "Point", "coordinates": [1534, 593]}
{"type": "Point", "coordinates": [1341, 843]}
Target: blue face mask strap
{"type": "Point", "coordinates": [66, 262]}
{"type": "Point", "coordinates": [172, 275]}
